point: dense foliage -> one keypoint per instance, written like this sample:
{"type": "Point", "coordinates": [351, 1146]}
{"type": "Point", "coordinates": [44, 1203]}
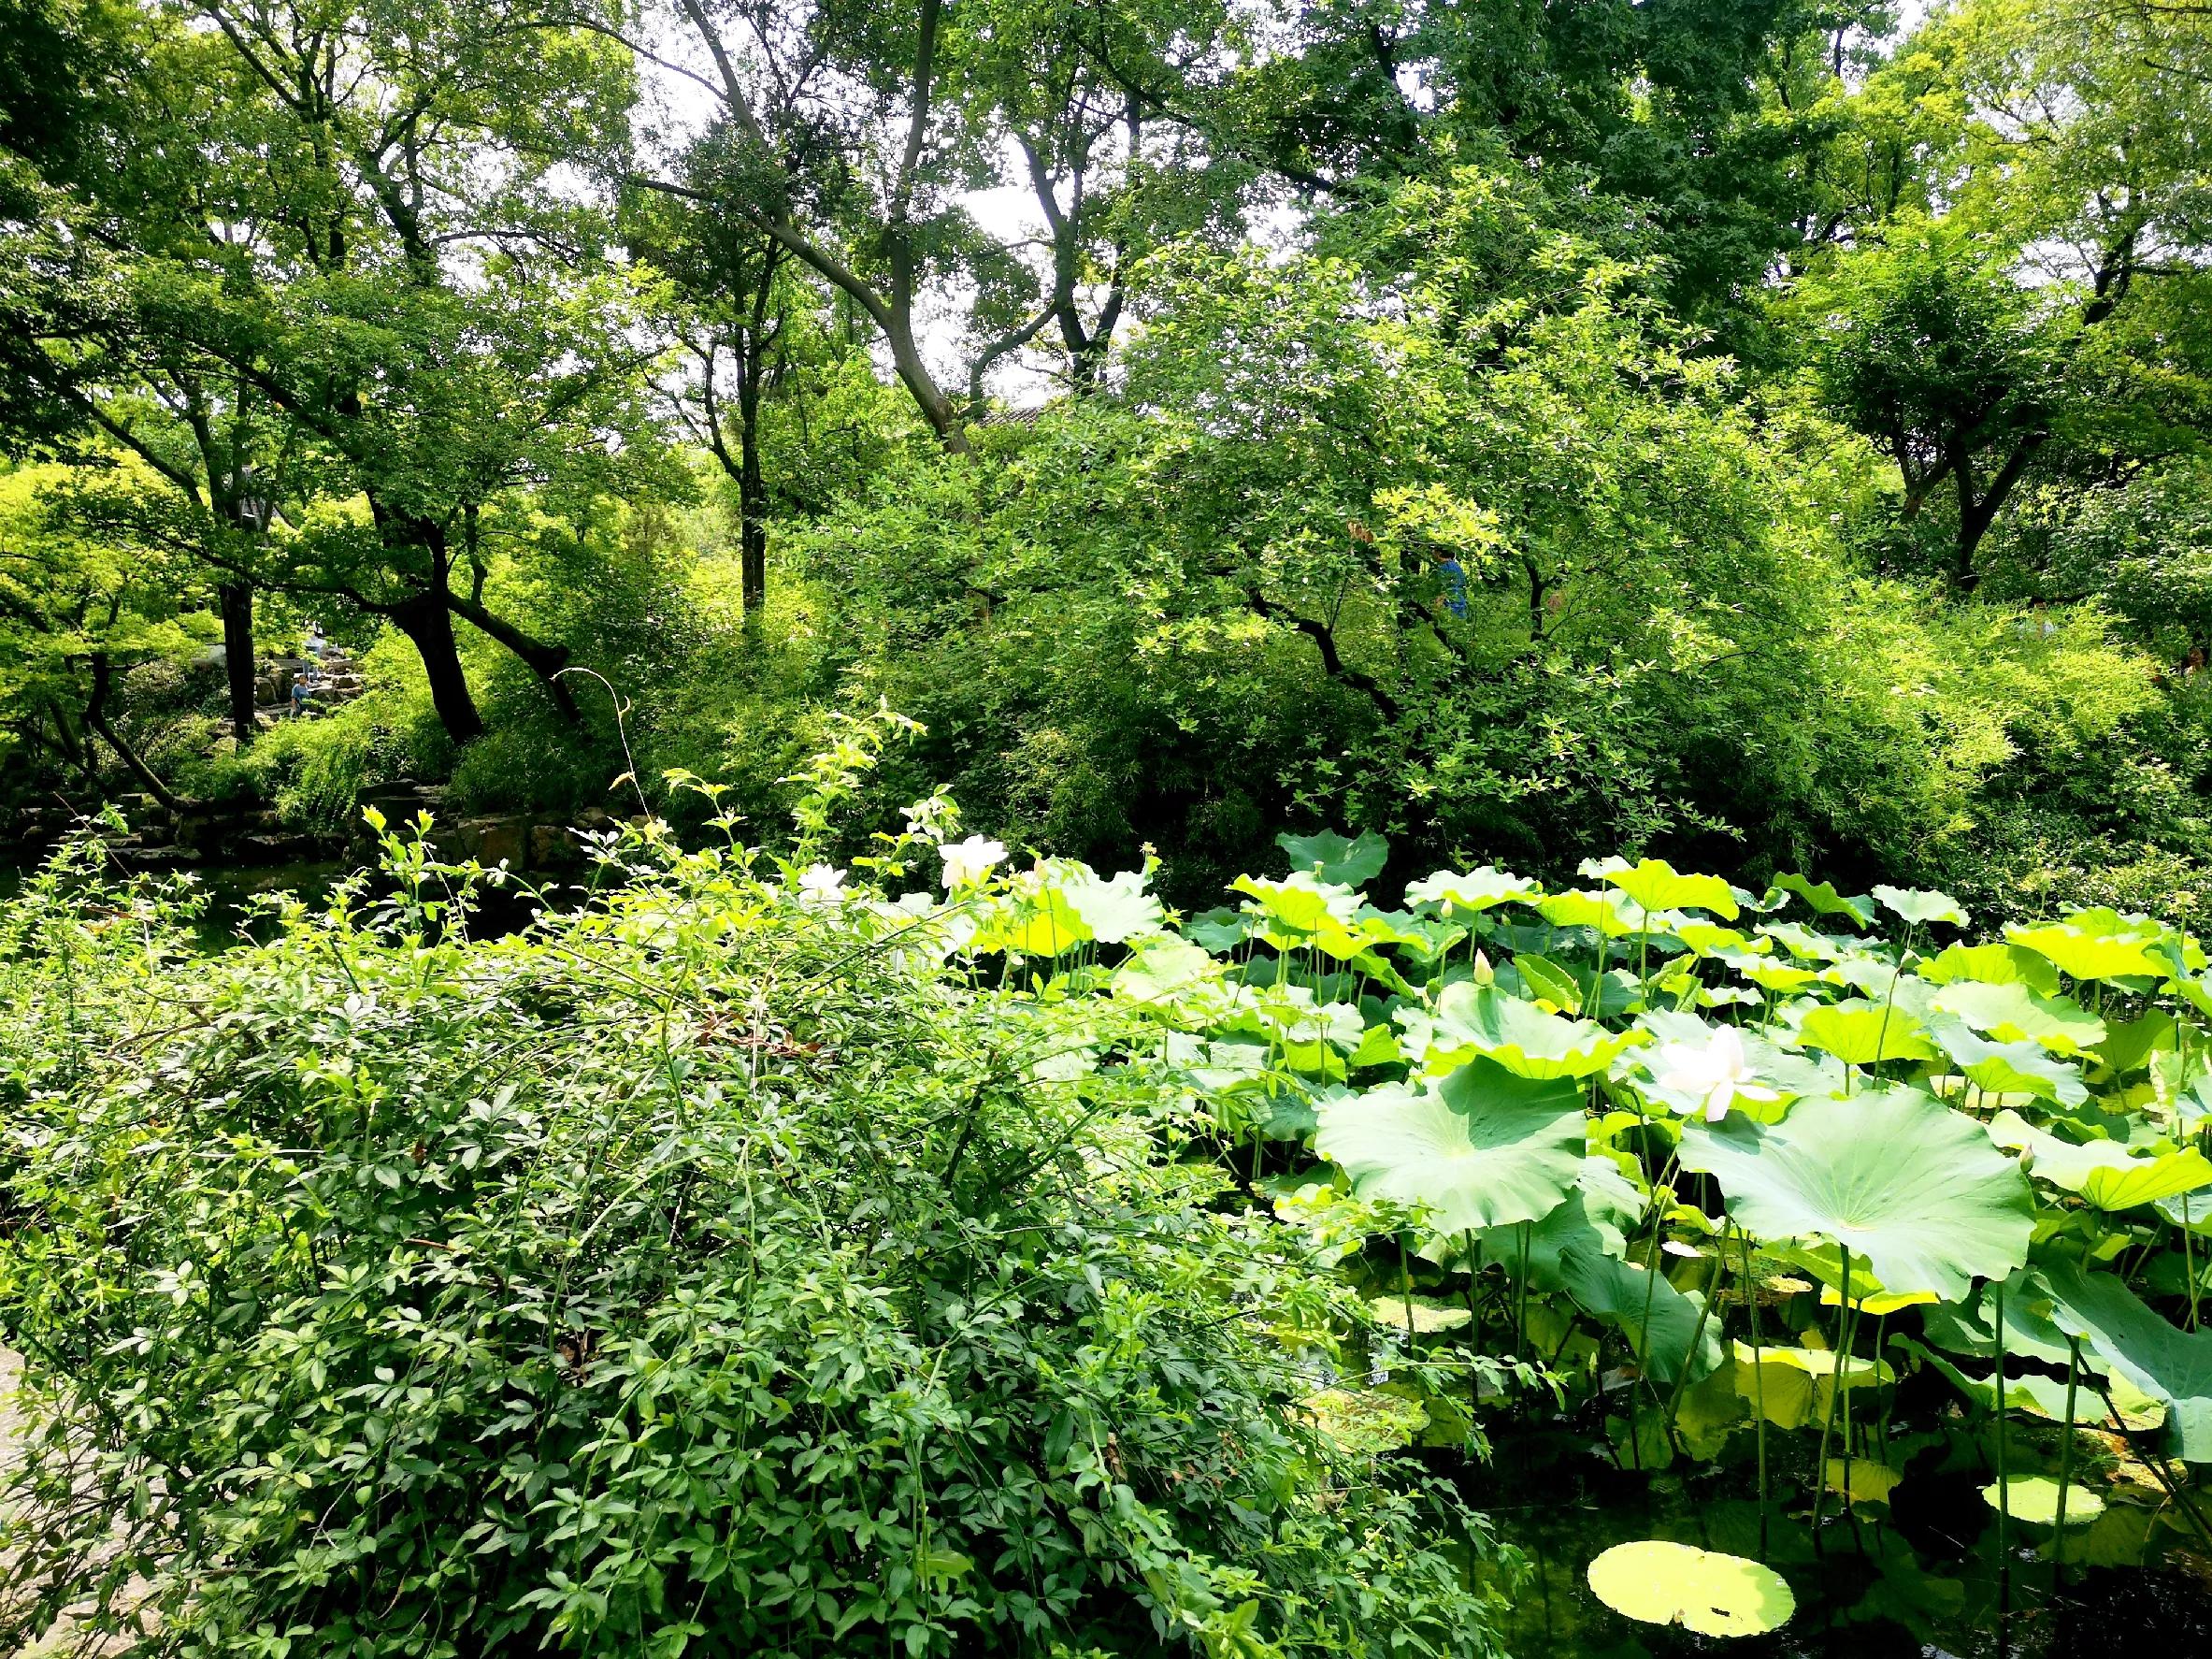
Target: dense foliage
{"type": "Point", "coordinates": [716, 1268]}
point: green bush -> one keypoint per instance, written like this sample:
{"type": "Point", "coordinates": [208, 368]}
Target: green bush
{"type": "Point", "coordinates": [704, 1271]}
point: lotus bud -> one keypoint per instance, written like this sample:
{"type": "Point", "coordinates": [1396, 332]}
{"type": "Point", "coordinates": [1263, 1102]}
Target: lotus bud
{"type": "Point", "coordinates": [2027, 1159]}
{"type": "Point", "coordinates": [1483, 973]}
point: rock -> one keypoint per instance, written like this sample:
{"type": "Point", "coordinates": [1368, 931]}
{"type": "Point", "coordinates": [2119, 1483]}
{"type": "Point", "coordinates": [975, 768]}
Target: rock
{"type": "Point", "coordinates": [551, 847]}
{"type": "Point", "coordinates": [492, 840]}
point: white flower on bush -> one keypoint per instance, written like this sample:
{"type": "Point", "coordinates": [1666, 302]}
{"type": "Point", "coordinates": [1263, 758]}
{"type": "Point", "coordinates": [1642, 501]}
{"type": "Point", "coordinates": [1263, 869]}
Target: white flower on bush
{"type": "Point", "coordinates": [1714, 1074]}
{"type": "Point", "coordinates": [967, 862]}
{"type": "Point", "coordinates": [820, 884]}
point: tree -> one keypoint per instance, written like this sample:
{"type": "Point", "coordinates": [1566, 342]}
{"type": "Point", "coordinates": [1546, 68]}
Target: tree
{"type": "Point", "coordinates": [2029, 294]}
{"type": "Point", "coordinates": [348, 245]}
{"type": "Point", "coordinates": [78, 613]}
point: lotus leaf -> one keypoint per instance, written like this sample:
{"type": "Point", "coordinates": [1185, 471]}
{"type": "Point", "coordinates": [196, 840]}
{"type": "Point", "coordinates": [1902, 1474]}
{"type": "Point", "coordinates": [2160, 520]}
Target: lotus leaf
{"type": "Point", "coordinates": [1711, 1594]}
{"type": "Point", "coordinates": [1116, 909]}
{"type": "Point", "coordinates": [1666, 1329]}
{"type": "Point", "coordinates": [1332, 858]}
{"type": "Point", "coordinates": [2010, 1013]}
{"type": "Point", "coordinates": [1602, 911]}
{"type": "Point", "coordinates": [1825, 899]}
{"type": "Point", "coordinates": [1482, 1148]}
{"type": "Point", "coordinates": [1791, 1386]}
{"type": "Point", "coordinates": [1429, 1317]}
{"type": "Point", "coordinates": [1521, 1037]}
{"type": "Point", "coordinates": [1864, 1033]}
{"type": "Point", "coordinates": [1922, 907]}
{"type": "Point", "coordinates": [2169, 1365]}
{"type": "Point", "coordinates": [2034, 1498]}
{"type": "Point", "coordinates": [1860, 1480]}
{"type": "Point", "coordinates": [2105, 1173]}
{"type": "Point", "coordinates": [1993, 964]}
{"type": "Point", "coordinates": [1655, 885]}
{"type": "Point", "coordinates": [1893, 1176]}
{"type": "Point", "coordinates": [2007, 1068]}
{"type": "Point", "coordinates": [1477, 890]}
{"type": "Point", "coordinates": [2098, 945]}
{"type": "Point", "coordinates": [1302, 900]}
{"type": "Point", "coordinates": [1546, 979]}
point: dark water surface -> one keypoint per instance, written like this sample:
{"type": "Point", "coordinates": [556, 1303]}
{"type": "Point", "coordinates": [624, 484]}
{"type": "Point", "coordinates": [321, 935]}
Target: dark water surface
{"type": "Point", "coordinates": [1919, 1576]}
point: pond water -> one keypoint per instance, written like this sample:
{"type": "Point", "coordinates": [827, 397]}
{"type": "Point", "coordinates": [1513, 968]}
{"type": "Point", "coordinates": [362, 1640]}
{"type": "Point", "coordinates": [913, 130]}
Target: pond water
{"type": "Point", "coordinates": [1920, 1575]}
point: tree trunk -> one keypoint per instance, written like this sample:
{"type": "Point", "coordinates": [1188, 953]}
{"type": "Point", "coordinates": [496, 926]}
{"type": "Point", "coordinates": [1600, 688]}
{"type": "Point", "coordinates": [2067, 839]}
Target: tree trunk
{"type": "Point", "coordinates": [543, 659]}
{"type": "Point", "coordinates": [237, 600]}
{"type": "Point", "coordinates": [95, 717]}
{"type": "Point", "coordinates": [753, 495]}
{"type": "Point", "coordinates": [428, 624]}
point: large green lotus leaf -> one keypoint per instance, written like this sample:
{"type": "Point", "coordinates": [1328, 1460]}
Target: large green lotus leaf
{"type": "Point", "coordinates": [1159, 968]}
{"type": "Point", "coordinates": [1993, 964]}
{"type": "Point", "coordinates": [2104, 1171]}
{"type": "Point", "coordinates": [1596, 1216]}
{"type": "Point", "coordinates": [1300, 901]}
{"type": "Point", "coordinates": [1713, 1595]}
{"type": "Point", "coordinates": [1893, 1176]}
{"type": "Point", "coordinates": [1602, 911]}
{"type": "Point", "coordinates": [1656, 884]}
{"type": "Point", "coordinates": [1665, 1327]}
{"type": "Point", "coordinates": [1824, 899]}
{"type": "Point", "coordinates": [2129, 1046]}
{"type": "Point", "coordinates": [1482, 1019]}
{"type": "Point", "coordinates": [1863, 1033]}
{"type": "Point", "coordinates": [1482, 1148]}
{"type": "Point", "coordinates": [1333, 858]}
{"type": "Point", "coordinates": [2011, 1012]}
{"type": "Point", "coordinates": [1116, 909]}
{"type": "Point", "coordinates": [2007, 1068]}
{"type": "Point", "coordinates": [2098, 945]}
{"type": "Point", "coordinates": [1772, 974]}
{"type": "Point", "coordinates": [1547, 980]}
{"type": "Point", "coordinates": [1922, 907]}
{"type": "Point", "coordinates": [1806, 946]}
{"type": "Point", "coordinates": [1477, 890]}
{"type": "Point", "coordinates": [2169, 1365]}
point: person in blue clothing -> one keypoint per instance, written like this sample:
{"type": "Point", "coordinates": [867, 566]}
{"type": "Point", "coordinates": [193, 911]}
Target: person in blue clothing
{"type": "Point", "coordinates": [1454, 580]}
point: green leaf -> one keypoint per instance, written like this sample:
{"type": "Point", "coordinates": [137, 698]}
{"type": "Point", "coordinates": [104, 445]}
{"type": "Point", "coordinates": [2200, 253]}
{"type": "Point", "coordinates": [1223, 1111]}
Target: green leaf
{"type": "Point", "coordinates": [1863, 1034]}
{"type": "Point", "coordinates": [1824, 899]}
{"type": "Point", "coordinates": [1895, 1175]}
{"type": "Point", "coordinates": [2011, 1012]}
{"type": "Point", "coordinates": [2166, 1364]}
{"type": "Point", "coordinates": [2008, 1068]}
{"type": "Point", "coordinates": [1550, 981]}
{"type": "Point", "coordinates": [1791, 1386]}
{"type": "Point", "coordinates": [1482, 1019]}
{"type": "Point", "coordinates": [2105, 1173]}
{"type": "Point", "coordinates": [2034, 1498]}
{"type": "Point", "coordinates": [1477, 890]}
{"type": "Point", "coordinates": [2098, 945]}
{"type": "Point", "coordinates": [1351, 863]}
{"type": "Point", "coordinates": [1602, 911]}
{"type": "Point", "coordinates": [1302, 900]}
{"type": "Point", "coordinates": [1429, 1317]}
{"type": "Point", "coordinates": [1710, 1593]}
{"type": "Point", "coordinates": [1482, 1148]}
{"type": "Point", "coordinates": [1994, 964]}
{"type": "Point", "coordinates": [1922, 907]}
{"type": "Point", "coordinates": [1661, 1323]}
{"type": "Point", "coordinates": [1655, 885]}
{"type": "Point", "coordinates": [1116, 909]}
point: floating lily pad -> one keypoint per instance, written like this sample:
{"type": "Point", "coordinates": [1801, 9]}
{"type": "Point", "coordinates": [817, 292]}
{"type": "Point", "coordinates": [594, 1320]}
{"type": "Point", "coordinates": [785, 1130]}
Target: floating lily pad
{"type": "Point", "coordinates": [2034, 1498]}
{"type": "Point", "coordinates": [1429, 1318]}
{"type": "Point", "coordinates": [1664, 1583]}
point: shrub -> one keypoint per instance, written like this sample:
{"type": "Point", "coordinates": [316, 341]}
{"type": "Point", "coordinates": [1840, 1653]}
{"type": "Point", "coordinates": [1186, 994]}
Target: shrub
{"type": "Point", "coordinates": [704, 1270]}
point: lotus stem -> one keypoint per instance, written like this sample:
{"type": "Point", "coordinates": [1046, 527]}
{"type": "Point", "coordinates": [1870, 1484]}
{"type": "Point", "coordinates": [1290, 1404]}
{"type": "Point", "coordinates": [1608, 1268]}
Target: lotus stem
{"type": "Point", "coordinates": [1695, 1336]}
{"type": "Point", "coordinates": [1827, 1417]}
{"type": "Point", "coordinates": [2157, 1465]}
{"type": "Point", "coordinates": [1759, 1380]}
{"type": "Point", "coordinates": [2189, 1262]}
{"type": "Point", "coordinates": [2004, 1459]}
{"type": "Point", "coordinates": [2066, 1450]}
{"type": "Point", "coordinates": [1405, 1292]}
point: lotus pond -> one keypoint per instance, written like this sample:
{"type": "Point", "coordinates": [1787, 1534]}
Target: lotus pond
{"type": "Point", "coordinates": [1863, 1254]}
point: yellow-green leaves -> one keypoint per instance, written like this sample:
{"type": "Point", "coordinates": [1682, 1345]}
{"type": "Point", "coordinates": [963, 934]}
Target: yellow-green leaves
{"type": "Point", "coordinates": [1714, 1594]}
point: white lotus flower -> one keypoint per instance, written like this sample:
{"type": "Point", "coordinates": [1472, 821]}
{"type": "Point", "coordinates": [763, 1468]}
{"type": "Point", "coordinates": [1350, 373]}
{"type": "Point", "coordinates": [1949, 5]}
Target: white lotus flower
{"type": "Point", "coordinates": [967, 862]}
{"type": "Point", "coordinates": [820, 884]}
{"type": "Point", "coordinates": [1714, 1074]}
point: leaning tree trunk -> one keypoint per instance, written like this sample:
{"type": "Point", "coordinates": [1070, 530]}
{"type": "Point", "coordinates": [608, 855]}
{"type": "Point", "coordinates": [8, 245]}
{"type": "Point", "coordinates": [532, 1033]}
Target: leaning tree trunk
{"type": "Point", "coordinates": [96, 717]}
{"type": "Point", "coordinates": [541, 658]}
{"type": "Point", "coordinates": [237, 601]}
{"type": "Point", "coordinates": [429, 627]}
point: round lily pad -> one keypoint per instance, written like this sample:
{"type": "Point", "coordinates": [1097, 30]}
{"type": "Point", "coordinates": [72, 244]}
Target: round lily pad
{"type": "Point", "coordinates": [2034, 1498]}
{"type": "Point", "coordinates": [1714, 1594]}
